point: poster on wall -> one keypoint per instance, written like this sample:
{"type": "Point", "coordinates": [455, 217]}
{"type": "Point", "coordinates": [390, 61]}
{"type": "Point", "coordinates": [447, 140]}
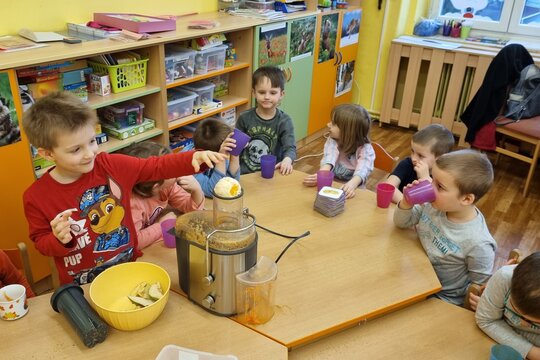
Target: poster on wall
{"type": "Point", "coordinates": [273, 44]}
{"type": "Point", "coordinates": [302, 38]}
{"type": "Point", "coordinates": [327, 45]}
{"type": "Point", "coordinates": [344, 78]}
{"type": "Point", "coordinates": [350, 28]}
{"type": "Point", "coordinates": [9, 121]}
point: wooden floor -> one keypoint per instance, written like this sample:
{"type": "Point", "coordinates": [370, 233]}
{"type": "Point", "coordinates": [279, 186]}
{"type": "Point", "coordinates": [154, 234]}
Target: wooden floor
{"type": "Point", "coordinates": [514, 221]}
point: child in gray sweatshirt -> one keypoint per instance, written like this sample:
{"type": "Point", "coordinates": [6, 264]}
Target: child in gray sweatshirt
{"type": "Point", "coordinates": [451, 229]}
{"type": "Point", "coordinates": [509, 309]}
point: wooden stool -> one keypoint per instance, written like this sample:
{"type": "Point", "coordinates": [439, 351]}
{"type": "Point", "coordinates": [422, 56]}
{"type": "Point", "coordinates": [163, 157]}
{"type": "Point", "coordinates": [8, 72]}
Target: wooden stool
{"type": "Point", "coordinates": [528, 131]}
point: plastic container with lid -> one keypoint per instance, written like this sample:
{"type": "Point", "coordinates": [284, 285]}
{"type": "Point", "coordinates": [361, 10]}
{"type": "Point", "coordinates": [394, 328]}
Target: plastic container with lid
{"type": "Point", "coordinates": [204, 91]}
{"type": "Point", "coordinates": [179, 62]}
{"type": "Point", "coordinates": [260, 5]}
{"type": "Point", "coordinates": [179, 103]}
{"type": "Point", "coordinates": [210, 59]}
{"type": "Point", "coordinates": [124, 114]}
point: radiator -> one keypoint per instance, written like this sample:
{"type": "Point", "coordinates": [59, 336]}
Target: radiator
{"type": "Point", "coordinates": [426, 85]}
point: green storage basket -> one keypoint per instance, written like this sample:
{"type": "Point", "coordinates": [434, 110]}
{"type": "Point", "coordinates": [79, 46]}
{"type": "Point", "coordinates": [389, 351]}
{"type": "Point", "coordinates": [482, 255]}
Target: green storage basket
{"type": "Point", "coordinates": [123, 77]}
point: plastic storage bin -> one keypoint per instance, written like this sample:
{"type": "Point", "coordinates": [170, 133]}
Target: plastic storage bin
{"type": "Point", "coordinates": [179, 62]}
{"type": "Point", "coordinates": [179, 103]}
{"type": "Point", "coordinates": [124, 114]}
{"type": "Point", "coordinates": [204, 91]}
{"type": "Point", "coordinates": [123, 77]}
{"type": "Point", "coordinates": [260, 5]}
{"type": "Point", "coordinates": [210, 59]}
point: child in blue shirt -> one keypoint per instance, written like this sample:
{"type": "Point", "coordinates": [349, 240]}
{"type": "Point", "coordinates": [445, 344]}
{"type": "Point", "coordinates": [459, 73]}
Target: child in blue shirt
{"type": "Point", "coordinates": [216, 135]}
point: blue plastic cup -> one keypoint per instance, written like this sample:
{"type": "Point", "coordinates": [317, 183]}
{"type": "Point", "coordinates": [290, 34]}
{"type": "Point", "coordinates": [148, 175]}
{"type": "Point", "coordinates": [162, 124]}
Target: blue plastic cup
{"type": "Point", "coordinates": [504, 352]}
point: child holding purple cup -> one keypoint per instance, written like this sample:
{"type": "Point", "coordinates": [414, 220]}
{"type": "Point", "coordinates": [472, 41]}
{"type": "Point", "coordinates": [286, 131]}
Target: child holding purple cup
{"type": "Point", "coordinates": [218, 136]}
{"type": "Point", "coordinates": [452, 229]}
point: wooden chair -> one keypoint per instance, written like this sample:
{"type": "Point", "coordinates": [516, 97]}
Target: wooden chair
{"type": "Point", "coordinates": [55, 278]}
{"type": "Point", "coordinates": [525, 131]}
{"type": "Point", "coordinates": [19, 258]}
{"type": "Point", "coordinates": [383, 160]}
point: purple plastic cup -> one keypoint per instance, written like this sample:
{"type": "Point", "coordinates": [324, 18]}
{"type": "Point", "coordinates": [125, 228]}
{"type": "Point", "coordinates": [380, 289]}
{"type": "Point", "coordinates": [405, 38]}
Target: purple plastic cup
{"type": "Point", "coordinates": [241, 141]}
{"type": "Point", "coordinates": [324, 178]}
{"type": "Point", "coordinates": [385, 192]}
{"type": "Point", "coordinates": [419, 193]}
{"type": "Point", "coordinates": [268, 165]}
{"type": "Point", "coordinates": [168, 239]}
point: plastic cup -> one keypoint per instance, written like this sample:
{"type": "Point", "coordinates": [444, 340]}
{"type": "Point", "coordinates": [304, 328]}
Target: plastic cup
{"type": "Point", "coordinates": [268, 165]}
{"type": "Point", "coordinates": [324, 178]}
{"type": "Point", "coordinates": [504, 352]}
{"type": "Point", "coordinates": [13, 304]}
{"type": "Point", "coordinates": [241, 141]}
{"type": "Point", "coordinates": [69, 301]}
{"type": "Point", "coordinates": [169, 237]}
{"type": "Point", "coordinates": [419, 193]}
{"type": "Point", "coordinates": [465, 31]}
{"type": "Point", "coordinates": [455, 32]}
{"type": "Point", "coordinates": [385, 192]}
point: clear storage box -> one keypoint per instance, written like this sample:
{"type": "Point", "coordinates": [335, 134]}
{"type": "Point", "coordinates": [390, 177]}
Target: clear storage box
{"type": "Point", "coordinates": [260, 5]}
{"type": "Point", "coordinates": [222, 85]}
{"type": "Point", "coordinates": [179, 62]}
{"type": "Point", "coordinates": [204, 91]}
{"type": "Point", "coordinates": [179, 103]}
{"type": "Point", "coordinates": [210, 59]}
{"type": "Point", "coordinates": [124, 114]}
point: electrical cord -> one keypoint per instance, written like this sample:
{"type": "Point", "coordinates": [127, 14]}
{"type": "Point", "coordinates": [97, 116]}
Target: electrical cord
{"type": "Point", "coordinates": [325, 135]}
{"type": "Point", "coordinates": [294, 239]}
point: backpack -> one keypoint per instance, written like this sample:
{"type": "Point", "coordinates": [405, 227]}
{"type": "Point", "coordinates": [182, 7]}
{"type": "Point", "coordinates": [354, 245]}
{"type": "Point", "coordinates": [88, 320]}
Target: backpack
{"type": "Point", "coordinates": [524, 98]}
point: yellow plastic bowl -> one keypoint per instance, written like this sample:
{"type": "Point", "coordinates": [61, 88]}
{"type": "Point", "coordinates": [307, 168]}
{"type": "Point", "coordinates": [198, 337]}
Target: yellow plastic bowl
{"type": "Point", "coordinates": [109, 294]}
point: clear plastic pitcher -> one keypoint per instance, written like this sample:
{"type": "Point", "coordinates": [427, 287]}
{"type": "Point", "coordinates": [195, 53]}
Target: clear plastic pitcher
{"type": "Point", "coordinates": [255, 292]}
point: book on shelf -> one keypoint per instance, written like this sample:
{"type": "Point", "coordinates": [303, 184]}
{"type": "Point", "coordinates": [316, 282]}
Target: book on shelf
{"type": "Point", "coordinates": [25, 80]}
{"type": "Point", "coordinates": [202, 24]}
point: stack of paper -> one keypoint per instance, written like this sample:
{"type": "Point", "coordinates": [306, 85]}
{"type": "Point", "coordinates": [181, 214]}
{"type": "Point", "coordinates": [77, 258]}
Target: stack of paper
{"type": "Point", "coordinates": [258, 14]}
{"type": "Point", "coordinates": [330, 201]}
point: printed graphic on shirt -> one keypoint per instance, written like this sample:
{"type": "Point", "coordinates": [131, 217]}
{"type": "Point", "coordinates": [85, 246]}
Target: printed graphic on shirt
{"type": "Point", "coordinates": [438, 239]}
{"type": "Point", "coordinates": [102, 212]}
{"type": "Point", "coordinates": [262, 140]}
{"type": "Point", "coordinates": [154, 216]}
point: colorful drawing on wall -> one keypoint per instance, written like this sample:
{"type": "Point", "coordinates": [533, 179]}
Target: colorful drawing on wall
{"type": "Point", "coordinates": [344, 78]}
{"type": "Point", "coordinates": [327, 45]}
{"type": "Point", "coordinates": [273, 44]}
{"type": "Point", "coordinates": [350, 28]}
{"type": "Point", "coordinates": [9, 122]}
{"type": "Point", "coordinates": [486, 10]}
{"type": "Point", "coordinates": [302, 38]}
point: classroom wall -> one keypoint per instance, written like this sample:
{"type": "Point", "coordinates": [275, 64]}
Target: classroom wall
{"type": "Point", "coordinates": [52, 15]}
{"type": "Point", "coordinates": [378, 28]}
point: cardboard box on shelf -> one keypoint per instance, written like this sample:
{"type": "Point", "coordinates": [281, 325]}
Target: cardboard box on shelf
{"type": "Point", "coordinates": [100, 84]}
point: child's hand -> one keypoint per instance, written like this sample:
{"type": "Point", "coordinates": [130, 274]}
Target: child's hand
{"type": "Point", "coordinates": [189, 183]}
{"type": "Point", "coordinates": [285, 166]}
{"type": "Point", "coordinates": [61, 226]}
{"type": "Point", "coordinates": [475, 299]}
{"type": "Point", "coordinates": [350, 187]}
{"type": "Point", "coordinates": [310, 180]}
{"type": "Point", "coordinates": [227, 145]}
{"type": "Point", "coordinates": [403, 204]}
{"type": "Point", "coordinates": [422, 170]}
{"type": "Point", "coordinates": [206, 157]}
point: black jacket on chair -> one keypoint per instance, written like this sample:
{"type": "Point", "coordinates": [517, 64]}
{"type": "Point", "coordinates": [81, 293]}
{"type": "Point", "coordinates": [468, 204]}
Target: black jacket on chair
{"type": "Point", "coordinates": [503, 71]}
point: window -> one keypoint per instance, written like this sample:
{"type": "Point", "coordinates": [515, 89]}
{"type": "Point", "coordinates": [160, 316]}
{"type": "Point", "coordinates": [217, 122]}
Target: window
{"type": "Point", "coordinates": [517, 17]}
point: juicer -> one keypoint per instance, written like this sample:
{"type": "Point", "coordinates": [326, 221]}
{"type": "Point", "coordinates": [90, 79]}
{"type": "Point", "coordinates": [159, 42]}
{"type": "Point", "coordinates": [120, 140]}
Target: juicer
{"type": "Point", "coordinates": [212, 247]}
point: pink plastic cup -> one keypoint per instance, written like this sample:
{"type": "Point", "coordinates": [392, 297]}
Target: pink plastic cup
{"type": "Point", "coordinates": [384, 194]}
{"type": "Point", "coordinates": [419, 193]}
{"type": "Point", "coordinates": [241, 141]}
{"type": "Point", "coordinates": [168, 239]}
{"type": "Point", "coordinates": [268, 164]}
{"type": "Point", "coordinates": [324, 178]}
